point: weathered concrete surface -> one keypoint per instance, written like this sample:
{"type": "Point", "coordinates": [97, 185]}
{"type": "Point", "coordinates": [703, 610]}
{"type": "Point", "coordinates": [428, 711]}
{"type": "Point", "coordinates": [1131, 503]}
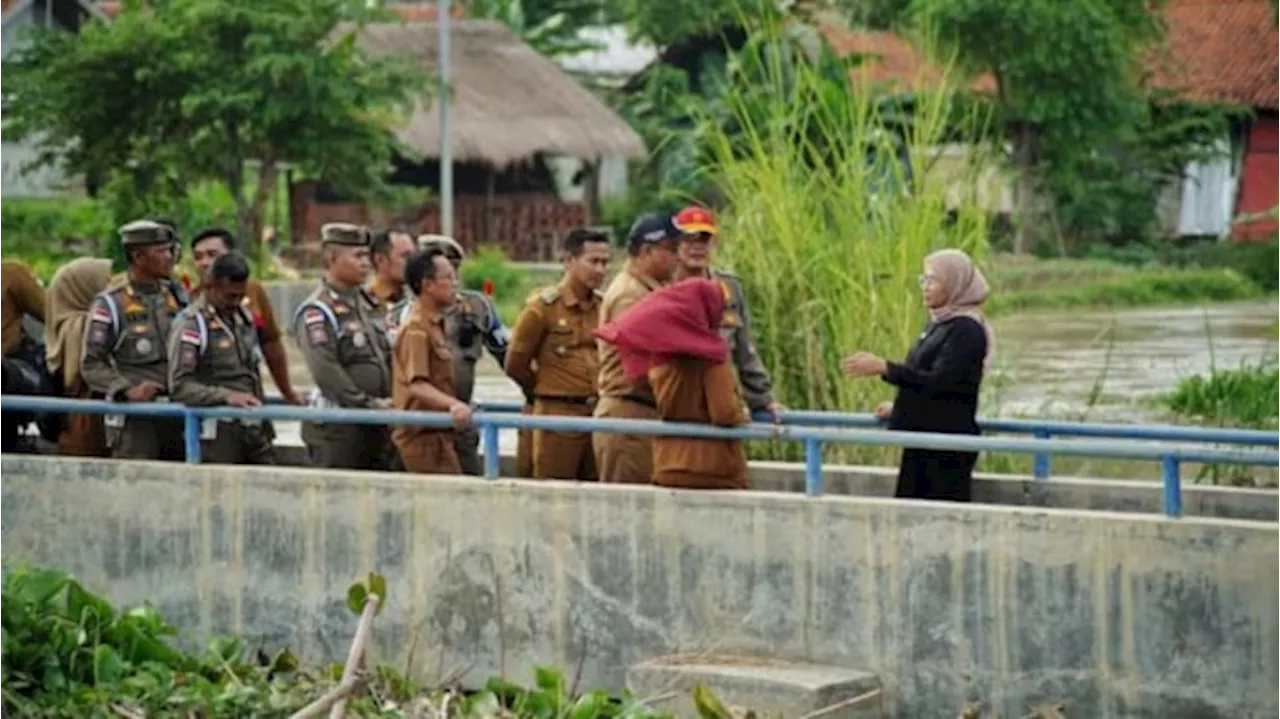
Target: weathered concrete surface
{"type": "Point", "coordinates": [1016, 490]}
{"type": "Point", "coordinates": [1113, 614]}
{"type": "Point", "coordinates": [769, 688]}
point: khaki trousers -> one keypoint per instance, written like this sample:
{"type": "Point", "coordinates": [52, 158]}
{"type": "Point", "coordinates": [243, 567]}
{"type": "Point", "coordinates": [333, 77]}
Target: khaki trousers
{"type": "Point", "coordinates": [623, 458]}
{"type": "Point", "coordinates": [433, 453]}
{"type": "Point", "coordinates": [562, 455]}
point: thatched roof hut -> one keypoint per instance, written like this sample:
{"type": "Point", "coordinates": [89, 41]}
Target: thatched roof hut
{"type": "Point", "coordinates": [509, 102]}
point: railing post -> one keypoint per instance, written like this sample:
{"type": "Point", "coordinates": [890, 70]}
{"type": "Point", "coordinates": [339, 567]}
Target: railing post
{"type": "Point", "coordinates": [1172, 486]}
{"type": "Point", "coordinates": [812, 467]}
{"type": "Point", "coordinates": [1041, 470]}
{"type": "Point", "coordinates": [489, 438]}
{"type": "Point", "coordinates": [191, 435]}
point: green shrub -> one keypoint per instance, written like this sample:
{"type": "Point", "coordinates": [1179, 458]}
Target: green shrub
{"type": "Point", "coordinates": [1134, 289]}
{"type": "Point", "coordinates": [1256, 261]}
{"type": "Point", "coordinates": [70, 653]}
{"type": "Point", "coordinates": [491, 264]}
{"type": "Point", "coordinates": [1247, 396]}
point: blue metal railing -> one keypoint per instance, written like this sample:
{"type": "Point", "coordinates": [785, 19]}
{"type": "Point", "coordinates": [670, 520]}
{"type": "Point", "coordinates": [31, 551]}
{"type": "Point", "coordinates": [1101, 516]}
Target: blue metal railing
{"type": "Point", "coordinates": [489, 422]}
{"type": "Point", "coordinates": [1040, 429]}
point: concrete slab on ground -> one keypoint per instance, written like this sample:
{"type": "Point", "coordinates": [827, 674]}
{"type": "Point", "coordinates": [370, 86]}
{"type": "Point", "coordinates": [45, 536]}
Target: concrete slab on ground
{"type": "Point", "coordinates": [766, 687]}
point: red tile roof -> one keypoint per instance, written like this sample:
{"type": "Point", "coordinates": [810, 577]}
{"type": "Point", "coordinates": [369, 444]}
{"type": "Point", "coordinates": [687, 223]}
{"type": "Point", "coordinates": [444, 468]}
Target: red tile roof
{"type": "Point", "coordinates": [1220, 51]}
{"type": "Point", "coordinates": [890, 59]}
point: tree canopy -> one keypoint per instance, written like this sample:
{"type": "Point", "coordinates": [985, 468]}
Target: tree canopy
{"type": "Point", "coordinates": [182, 91]}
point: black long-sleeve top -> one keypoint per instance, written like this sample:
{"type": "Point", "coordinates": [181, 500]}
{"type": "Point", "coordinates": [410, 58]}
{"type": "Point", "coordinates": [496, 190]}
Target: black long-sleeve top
{"type": "Point", "coordinates": [939, 381]}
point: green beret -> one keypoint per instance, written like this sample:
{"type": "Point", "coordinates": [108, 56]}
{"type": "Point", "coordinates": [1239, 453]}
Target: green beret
{"type": "Point", "coordinates": [146, 232]}
{"type": "Point", "coordinates": [343, 233]}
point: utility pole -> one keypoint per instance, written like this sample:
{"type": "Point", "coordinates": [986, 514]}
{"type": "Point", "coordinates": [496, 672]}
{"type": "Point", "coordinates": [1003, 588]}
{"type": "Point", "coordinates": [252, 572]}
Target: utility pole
{"type": "Point", "coordinates": [445, 71]}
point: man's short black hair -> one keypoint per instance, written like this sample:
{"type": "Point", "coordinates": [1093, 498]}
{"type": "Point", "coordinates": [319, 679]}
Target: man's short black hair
{"type": "Point", "coordinates": [209, 232]}
{"type": "Point", "coordinates": [381, 243]}
{"type": "Point", "coordinates": [421, 267]}
{"type": "Point", "coordinates": [575, 242]}
{"type": "Point", "coordinates": [232, 267]}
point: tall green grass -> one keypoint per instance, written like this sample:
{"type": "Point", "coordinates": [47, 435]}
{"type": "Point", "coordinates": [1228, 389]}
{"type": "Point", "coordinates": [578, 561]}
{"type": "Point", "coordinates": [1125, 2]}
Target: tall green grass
{"type": "Point", "coordinates": [823, 227]}
{"type": "Point", "coordinates": [1247, 396]}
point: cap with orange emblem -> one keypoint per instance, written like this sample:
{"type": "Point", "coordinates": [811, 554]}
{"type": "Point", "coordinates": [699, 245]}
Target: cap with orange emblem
{"type": "Point", "coordinates": [694, 220]}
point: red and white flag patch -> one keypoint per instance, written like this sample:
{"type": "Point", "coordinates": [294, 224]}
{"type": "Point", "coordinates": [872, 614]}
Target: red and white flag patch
{"type": "Point", "coordinates": [100, 314]}
{"type": "Point", "coordinates": [191, 337]}
{"type": "Point", "coordinates": [312, 316]}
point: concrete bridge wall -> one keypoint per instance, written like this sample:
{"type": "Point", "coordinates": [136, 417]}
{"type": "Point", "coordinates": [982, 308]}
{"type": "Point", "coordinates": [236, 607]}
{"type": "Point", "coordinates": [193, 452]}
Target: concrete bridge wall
{"type": "Point", "coordinates": [1113, 614]}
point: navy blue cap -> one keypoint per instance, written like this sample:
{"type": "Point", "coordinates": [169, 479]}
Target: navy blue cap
{"type": "Point", "coordinates": [652, 227]}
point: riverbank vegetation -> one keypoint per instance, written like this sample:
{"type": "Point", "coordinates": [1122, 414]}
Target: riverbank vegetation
{"type": "Point", "coordinates": [69, 653]}
{"type": "Point", "coordinates": [1247, 396]}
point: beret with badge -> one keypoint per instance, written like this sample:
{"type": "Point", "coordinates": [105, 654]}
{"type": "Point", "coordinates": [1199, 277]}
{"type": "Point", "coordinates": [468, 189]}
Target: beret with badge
{"type": "Point", "coordinates": [146, 232]}
{"type": "Point", "coordinates": [346, 234]}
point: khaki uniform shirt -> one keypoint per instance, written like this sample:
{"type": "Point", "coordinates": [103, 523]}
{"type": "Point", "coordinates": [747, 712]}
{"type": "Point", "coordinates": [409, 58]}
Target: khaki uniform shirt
{"type": "Point", "coordinates": [211, 356]}
{"type": "Point", "coordinates": [344, 341]}
{"type": "Point", "coordinates": [387, 293]}
{"type": "Point", "coordinates": [422, 353]}
{"type": "Point", "coordinates": [22, 295]}
{"type": "Point", "coordinates": [258, 304]}
{"type": "Point", "coordinates": [127, 335]}
{"type": "Point", "coordinates": [624, 291]}
{"type": "Point", "coordinates": [553, 351]}
{"type": "Point", "coordinates": [735, 329]}
{"type": "Point", "coordinates": [473, 326]}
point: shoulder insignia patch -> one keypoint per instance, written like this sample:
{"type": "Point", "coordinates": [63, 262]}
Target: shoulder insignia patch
{"type": "Point", "coordinates": [549, 295]}
{"type": "Point", "coordinates": [313, 316]}
{"type": "Point", "coordinates": [100, 314]}
{"type": "Point", "coordinates": [191, 336]}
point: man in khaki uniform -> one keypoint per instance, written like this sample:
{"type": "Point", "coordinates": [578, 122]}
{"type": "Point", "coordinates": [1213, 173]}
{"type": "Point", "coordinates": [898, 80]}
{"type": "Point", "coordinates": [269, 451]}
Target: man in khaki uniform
{"type": "Point", "coordinates": [389, 251]}
{"type": "Point", "coordinates": [24, 359]}
{"type": "Point", "coordinates": [424, 367]}
{"type": "Point", "coordinates": [344, 341]}
{"type": "Point", "coordinates": [125, 340]}
{"type": "Point", "coordinates": [206, 246]}
{"type": "Point", "coordinates": [20, 295]}
{"type": "Point", "coordinates": [697, 245]}
{"type": "Point", "coordinates": [473, 325]}
{"type": "Point", "coordinates": [553, 356]}
{"type": "Point", "coordinates": [628, 458]}
{"type": "Point", "coordinates": [214, 361]}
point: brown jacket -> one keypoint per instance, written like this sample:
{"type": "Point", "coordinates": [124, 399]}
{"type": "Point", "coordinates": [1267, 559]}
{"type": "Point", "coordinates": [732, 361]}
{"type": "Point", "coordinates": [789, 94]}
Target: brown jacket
{"type": "Point", "coordinates": [22, 295]}
{"type": "Point", "coordinates": [694, 390]}
{"type": "Point", "coordinates": [422, 352]}
{"type": "Point", "coordinates": [628, 288]}
{"type": "Point", "coordinates": [553, 352]}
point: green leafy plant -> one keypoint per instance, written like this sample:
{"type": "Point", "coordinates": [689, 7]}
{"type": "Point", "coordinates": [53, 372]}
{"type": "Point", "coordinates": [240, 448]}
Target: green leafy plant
{"type": "Point", "coordinates": [1246, 396]}
{"type": "Point", "coordinates": [491, 266]}
{"type": "Point", "coordinates": [68, 653]}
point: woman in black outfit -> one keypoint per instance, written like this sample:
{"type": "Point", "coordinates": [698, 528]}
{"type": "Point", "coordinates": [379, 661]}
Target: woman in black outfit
{"type": "Point", "coordinates": [939, 381]}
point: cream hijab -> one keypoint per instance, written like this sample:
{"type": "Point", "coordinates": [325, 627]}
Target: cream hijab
{"type": "Point", "coordinates": [67, 303]}
{"type": "Point", "coordinates": [967, 289]}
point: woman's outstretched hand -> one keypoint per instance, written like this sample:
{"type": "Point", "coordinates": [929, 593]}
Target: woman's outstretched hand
{"type": "Point", "coordinates": [863, 364]}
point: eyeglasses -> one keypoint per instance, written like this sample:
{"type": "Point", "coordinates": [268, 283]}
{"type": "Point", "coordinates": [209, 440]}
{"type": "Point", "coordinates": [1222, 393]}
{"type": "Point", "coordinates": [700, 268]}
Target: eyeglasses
{"type": "Point", "coordinates": [926, 280]}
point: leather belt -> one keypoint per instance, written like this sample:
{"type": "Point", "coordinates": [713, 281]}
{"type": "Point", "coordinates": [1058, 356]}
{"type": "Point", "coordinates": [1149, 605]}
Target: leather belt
{"type": "Point", "coordinates": [585, 401]}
